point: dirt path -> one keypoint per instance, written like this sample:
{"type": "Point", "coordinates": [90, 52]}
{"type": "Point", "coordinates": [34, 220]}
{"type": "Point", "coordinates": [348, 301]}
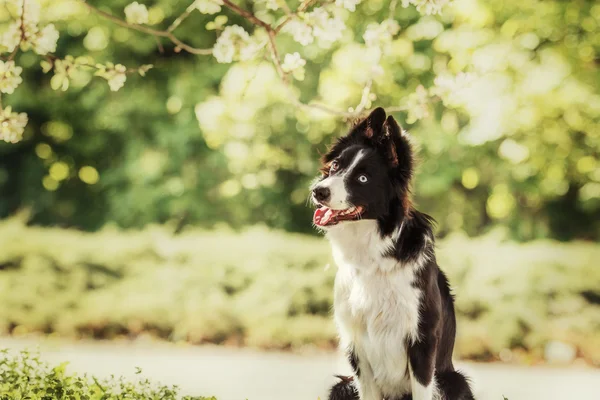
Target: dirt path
{"type": "Point", "coordinates": [238, 374]}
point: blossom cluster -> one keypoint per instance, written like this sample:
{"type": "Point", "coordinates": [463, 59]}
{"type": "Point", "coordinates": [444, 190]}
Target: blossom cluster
{"type": "Point", "coordinates": [10, 76]}
{"type": "Point", "coordinates": [273, 5]}
{"type": "Point", "coordinates": [350, 5]}
{"type": "Point", "coordinates": [115, 75]}
{"type": "Point", "coordinates": [294, 64]}
{"type": "Point", "coordinates": [418, 105]}
{"type": "Point", "coordinates": [453, 89]}
{"type": "Point", "coordinates": [319, 24]}
{"type": "Point", "coordinates": [235, 44]}
{"type": "Point", "coordinates": [208, 6]}
{"type": "Point", "coordinates": [12, 125]}
{"type": "Point", "coordinates": [136, 13]}
{"type": "Point", "coordinates": [66, 69]}
{"type": "Point", "coordinates": [427, 6]}
{"type": "Point", "coordinates": [380, 34]}
{"type": "Point", "coordinates": [26, 32]}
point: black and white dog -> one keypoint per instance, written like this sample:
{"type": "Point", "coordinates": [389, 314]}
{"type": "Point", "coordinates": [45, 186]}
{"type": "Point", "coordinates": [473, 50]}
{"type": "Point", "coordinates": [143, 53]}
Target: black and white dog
{"type": "Point", "coordinates": [393, 307]}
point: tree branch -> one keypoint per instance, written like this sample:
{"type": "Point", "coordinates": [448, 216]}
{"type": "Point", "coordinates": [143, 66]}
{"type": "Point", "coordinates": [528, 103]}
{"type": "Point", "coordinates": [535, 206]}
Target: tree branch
{"type": "Point", "coordinates": [23, 37]}
{"type": "Point", "coordinates": [154, 32]}
{"type": "Point", "coordinates": [364, 99]}
{"type": "Point", "coordinates": [182, 17]}
{"type": "Point", "coordinates": [272, 33]}
{"type": "Point", "coordinates": [301, 8]}
{"type": "Point", "coordinates": [392, 9]}
{"type": "Point", "coordinates": [275, 56]}
{"type": "Point", "coordinates": [247, 14]}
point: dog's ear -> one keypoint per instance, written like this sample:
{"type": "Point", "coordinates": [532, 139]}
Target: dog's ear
{"type": "Point", "coordinates": [397, 147]}
{"type": "Point", "coordinates": [372, 126]}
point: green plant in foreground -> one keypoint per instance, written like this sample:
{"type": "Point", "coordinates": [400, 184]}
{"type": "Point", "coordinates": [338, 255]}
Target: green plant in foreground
{"type": "Point", "coordinates": [25, 376]}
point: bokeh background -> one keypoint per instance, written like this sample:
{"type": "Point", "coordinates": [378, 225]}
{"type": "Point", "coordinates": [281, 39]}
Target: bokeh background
{"type": "Point", "coordinates": [176, 208]}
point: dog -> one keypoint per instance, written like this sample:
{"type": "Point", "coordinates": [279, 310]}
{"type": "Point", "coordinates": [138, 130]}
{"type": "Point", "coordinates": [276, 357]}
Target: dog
{"type": "Point", "coordinates": [393, 307]}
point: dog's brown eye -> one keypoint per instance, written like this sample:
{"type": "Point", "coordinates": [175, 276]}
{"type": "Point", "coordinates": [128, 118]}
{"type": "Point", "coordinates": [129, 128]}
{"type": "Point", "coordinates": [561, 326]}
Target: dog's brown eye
{"type": "Point", "coordinates": [334, 166]}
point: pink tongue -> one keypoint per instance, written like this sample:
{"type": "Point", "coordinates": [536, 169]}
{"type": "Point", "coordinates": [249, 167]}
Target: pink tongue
{"type": "Point", "coordinates": [323, 215]}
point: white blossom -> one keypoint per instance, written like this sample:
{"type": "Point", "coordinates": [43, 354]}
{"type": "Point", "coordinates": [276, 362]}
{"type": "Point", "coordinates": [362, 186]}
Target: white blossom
{"type": "Point", "coordinates": [294, 63]}
{"type": "Point", "coordinates": [10, 76]}
{"type": "Point", "coordinates": [136, 13]}
{"type": "Point", "coordinates": [118, 78]}
{"type": "Point", "coordinates": [249, 49]}
{"type": "Point", "coordinates": [208, 6]}
{"type": "Point", "coordinates": [317, 23]}
{"type": "Point", "coordinates": [115, 75]}
{"type": "Point", "coordinates": [301, 32]}
{"type": "Point", "coordinates": [453, 90]}
{"type": "Point", "coordinates": [225, 47]}
{"type": "Point", "coordinates": [11, 37]}
{"type": "Point", "coordinates": [63, 70]}
{"type": "Point", "coordinates": [379, 34]}
{"type": "Point", "coordinates": [224, 51]}
{"type": "Point", "coordinates": [417, 105]}
{"type": "Point", "coordinates": [427, 6]}
{"type": "Point", "coordinates": [32, 11]}
{"type": "Point", "coordinates": [12, 125]}
{"type": "Point", "coordinates": [26, 31]}
{"type": "Point", "coordinates": [326, 28]}
{"type": "Point", "coordinates": [349, 5]}
{"type": "Point", "coordinates": [45, 40]}
{"type": "Point", "coordinates": [235, 43]}
{"type": "Point", "coordinates": [272, 4]}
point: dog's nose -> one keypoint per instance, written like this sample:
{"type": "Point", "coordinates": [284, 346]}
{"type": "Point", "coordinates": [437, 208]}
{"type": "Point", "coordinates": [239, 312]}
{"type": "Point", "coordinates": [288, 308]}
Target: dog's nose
{"type": "Point", "coordinates": [321, 193]}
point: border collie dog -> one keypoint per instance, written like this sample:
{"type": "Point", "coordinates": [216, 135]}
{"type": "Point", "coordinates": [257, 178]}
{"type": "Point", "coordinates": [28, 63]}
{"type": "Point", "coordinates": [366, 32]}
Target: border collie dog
{"type": "Point", "coordinates": [393, 307]}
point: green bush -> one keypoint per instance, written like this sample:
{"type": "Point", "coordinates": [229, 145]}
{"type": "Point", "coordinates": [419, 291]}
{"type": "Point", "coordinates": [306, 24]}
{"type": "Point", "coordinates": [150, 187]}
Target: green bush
{"type": "Point", "coordinates": [24, 376]}
{"type": "Point", "coordinates": [271, 289]}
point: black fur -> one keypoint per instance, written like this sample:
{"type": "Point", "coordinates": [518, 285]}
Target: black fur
{"type": "Point", "coordinates": [353, 358]}
{"type": "Point", "coordinates": [388, 162]}
{"type": "Point", "coordinates": [344, 390]}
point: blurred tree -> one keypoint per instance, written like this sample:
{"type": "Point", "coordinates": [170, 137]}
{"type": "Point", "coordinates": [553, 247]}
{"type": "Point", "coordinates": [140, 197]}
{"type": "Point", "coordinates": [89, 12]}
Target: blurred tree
{"type": "Point", "coordinates": [508, 125]}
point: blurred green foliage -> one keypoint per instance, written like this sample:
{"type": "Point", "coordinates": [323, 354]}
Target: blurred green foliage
{"type": "Point", "coordinates": [25, 376]}
{"type": "Point", "coordinates": [206, 143]}
{"type": "Point", "coordinates": [271, 289]}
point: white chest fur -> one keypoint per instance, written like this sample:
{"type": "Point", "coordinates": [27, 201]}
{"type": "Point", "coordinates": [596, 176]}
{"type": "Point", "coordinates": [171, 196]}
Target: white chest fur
{"type": "Point", "coordinates": [376, 305]}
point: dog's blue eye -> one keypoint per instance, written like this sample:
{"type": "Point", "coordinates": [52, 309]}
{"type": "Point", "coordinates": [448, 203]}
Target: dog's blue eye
{"type": "Point", "coordinates": [363, 179]}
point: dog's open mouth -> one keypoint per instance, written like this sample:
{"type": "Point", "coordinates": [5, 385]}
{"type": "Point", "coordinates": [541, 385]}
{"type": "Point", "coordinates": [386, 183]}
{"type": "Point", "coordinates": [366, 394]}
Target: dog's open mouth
{"type": "Point", "coordinates": [326, 216]}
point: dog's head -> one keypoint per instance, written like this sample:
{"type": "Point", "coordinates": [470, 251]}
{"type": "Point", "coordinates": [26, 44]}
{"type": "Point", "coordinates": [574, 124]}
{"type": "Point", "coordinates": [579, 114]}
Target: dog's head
{"type": "Point", "coordinates": [366, 174]}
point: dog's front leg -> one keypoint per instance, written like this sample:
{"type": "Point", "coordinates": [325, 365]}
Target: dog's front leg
{"type": "Point", "coordinates": [364, 377]}
{"type": "Point", "coordinates": [367, 388]}
{"type": "Point", "coordinates": [421, 366]}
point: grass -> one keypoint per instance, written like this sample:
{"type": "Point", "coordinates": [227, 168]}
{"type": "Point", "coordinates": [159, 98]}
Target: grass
{"type": "Point", "coordinates": [23, 376]}
{"type": "Point", "coordinates": [272, 290]}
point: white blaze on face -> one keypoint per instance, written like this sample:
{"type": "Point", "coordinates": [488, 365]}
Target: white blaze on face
{"type": "Point", "coordinates": [337, 185]}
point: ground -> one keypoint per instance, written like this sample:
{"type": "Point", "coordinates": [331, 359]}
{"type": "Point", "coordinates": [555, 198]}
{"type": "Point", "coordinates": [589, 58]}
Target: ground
{"type": "Point", "coordinates": [237, 374]}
